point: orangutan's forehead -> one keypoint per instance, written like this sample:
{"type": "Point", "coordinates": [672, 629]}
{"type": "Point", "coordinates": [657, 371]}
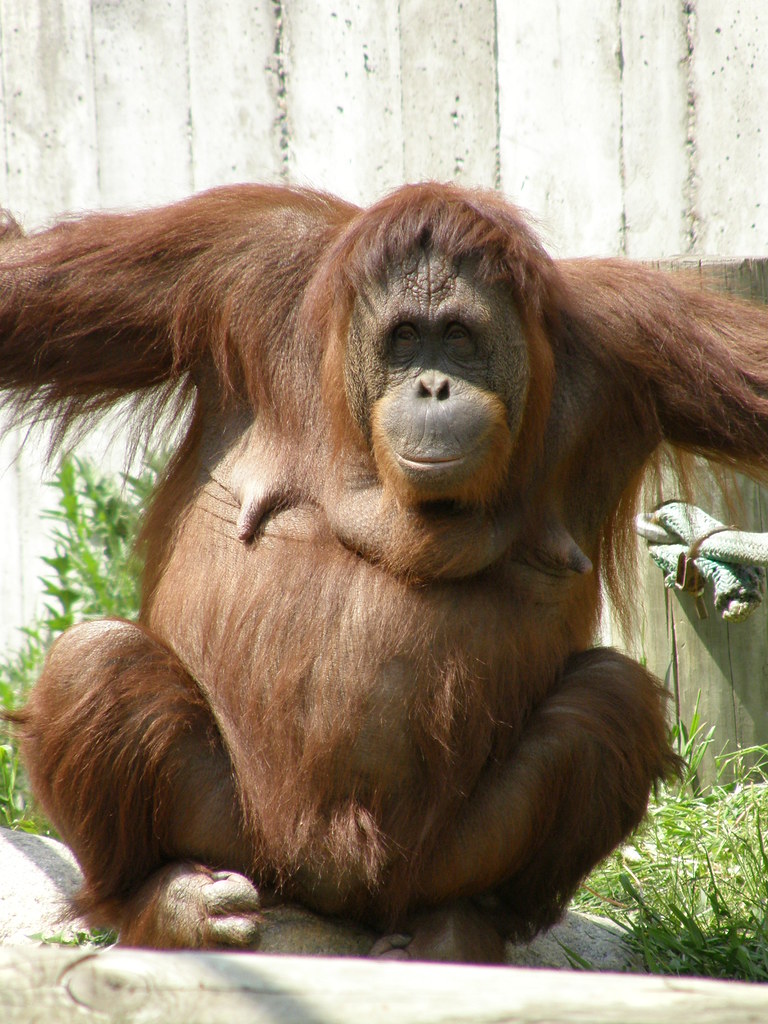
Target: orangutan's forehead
{"type": "Point", "coordinates": [424, 275]}
{"type": "Point", "coordinates": [422, 279]}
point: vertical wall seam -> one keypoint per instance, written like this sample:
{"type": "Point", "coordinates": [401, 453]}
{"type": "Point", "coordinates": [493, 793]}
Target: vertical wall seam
{"type": "Point", "coordinates": [674, 664]}
{"type": "Point", "coordinates": [5, 99]}
{"type": "Point", "coordinates": [403, 133]}
{"type": "Point", "coordinates": [190, 116]}
{"type": "Point", "coordinates": [96, 131]}
{"type": "Point", "coordinates": [622, 155]}
{"type": "Point", "coordinates": [738, 733]}
{"type": "Point", "coordinates": [496, 99]}
{"type": "Point", "coordinates": [691, 213]}
{"type": "Point", "coordinates": [281, 90]}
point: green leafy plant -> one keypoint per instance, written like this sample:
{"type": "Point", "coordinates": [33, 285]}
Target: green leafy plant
{"type": "Point", "coordinates": [691, 742]}
{"type": "Point", "coordinates": [95, 568]}
{"type": "Point", "coordinates": [94, 571]}
{"type": "Point", "coordinates": [95, 937]}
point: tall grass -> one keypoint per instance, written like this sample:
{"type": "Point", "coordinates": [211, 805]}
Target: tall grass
{"type": "Point", "coordinates": [691, 887]}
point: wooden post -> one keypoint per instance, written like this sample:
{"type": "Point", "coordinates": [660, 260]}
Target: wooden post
{"type": "Point", "coordinates": [60, 986]}
{"type": "Point", "coordinates": [723, 666]}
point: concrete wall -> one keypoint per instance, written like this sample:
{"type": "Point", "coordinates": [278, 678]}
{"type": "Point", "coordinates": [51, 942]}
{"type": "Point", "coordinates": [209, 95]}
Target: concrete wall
{"type": "Point", "coordinates": [625, 126]}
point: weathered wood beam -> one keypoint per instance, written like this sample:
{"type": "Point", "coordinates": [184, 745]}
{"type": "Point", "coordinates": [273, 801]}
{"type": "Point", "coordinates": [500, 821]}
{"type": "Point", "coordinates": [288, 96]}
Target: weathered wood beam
{"type": "Point", "coordinates": [64, 986]}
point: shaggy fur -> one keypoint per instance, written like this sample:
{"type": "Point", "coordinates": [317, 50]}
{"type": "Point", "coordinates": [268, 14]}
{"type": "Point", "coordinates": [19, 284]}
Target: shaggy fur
{"type": "Point", "coordinates": [373, 706]}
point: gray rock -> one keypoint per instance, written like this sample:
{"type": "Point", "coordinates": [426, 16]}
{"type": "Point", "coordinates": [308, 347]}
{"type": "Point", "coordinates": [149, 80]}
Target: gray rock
{"type": "Point", "coordinates": [38, 874]}
{"type": "Point", "coordinates": [292, 929]}
{"type": "Point", "coordinates": [599, 942]}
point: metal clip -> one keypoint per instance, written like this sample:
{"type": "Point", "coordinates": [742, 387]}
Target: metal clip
{"type": "Point", "coordinates": [689, 578]}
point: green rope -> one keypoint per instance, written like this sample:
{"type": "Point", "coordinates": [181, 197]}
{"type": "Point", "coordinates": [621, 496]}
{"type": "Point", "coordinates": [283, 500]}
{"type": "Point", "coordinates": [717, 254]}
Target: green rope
{"type": "Point", "coordinates": [733, 560]}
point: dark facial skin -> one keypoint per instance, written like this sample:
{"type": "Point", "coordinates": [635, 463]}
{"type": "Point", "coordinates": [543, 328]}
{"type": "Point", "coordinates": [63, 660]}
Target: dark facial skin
{"type": "Point", "coordinates": [437, 377]}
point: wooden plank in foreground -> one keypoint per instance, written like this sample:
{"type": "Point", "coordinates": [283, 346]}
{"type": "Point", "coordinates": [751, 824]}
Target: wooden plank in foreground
{"type": "Point", "coordinates": [64, 986]}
